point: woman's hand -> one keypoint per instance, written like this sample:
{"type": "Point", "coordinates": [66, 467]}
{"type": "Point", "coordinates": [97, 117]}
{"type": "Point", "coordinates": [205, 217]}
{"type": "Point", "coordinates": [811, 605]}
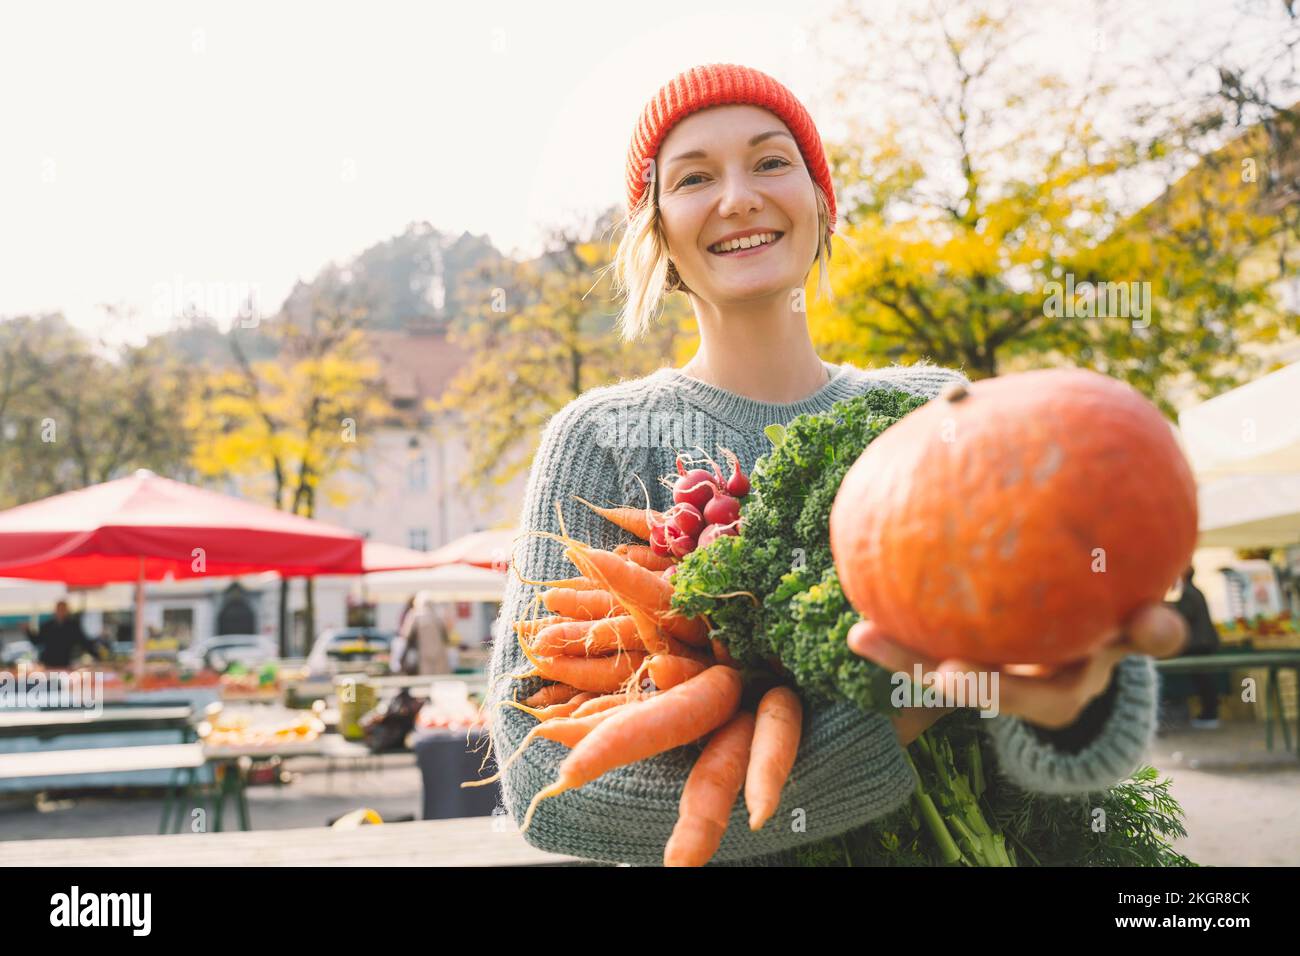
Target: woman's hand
{"type": "Point", "coordinates": [911, 722]}
{"type": "Point", "coordinates": [1050, 698]}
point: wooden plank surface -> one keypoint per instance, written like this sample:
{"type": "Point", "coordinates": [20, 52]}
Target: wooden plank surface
{"type": "Point", "coordinates": [472, 841]}
{"type": "Point", "coordinates": [53, 763]}
{"type": "Point", "coordinates": [73, 719]}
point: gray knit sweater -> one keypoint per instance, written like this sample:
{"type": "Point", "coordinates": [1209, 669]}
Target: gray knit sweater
{"type": "Point", "coordinates": [851, 767]}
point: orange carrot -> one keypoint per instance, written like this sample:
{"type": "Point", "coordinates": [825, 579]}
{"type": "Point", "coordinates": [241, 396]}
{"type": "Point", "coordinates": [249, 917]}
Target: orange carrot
{"type": "Point", "coordinates": [602, 675]}
{"type": "Point", "coordinates": [689, 630]}
{"type": "Point", "coordinates": [570, 730]}
{"type": "Point", "coordinates": [641, 729]}
{"type": "Point", "coordinates": [552, 694]}
{"type": "Point", "coordinates": [721, 654]}
{"type": "Point", "coordinates": [580, 605]}
{"type": "Point", "coordinates": [597, 704]}
{"type": "Point", "coordinates": [778, 724]}
{"type": "Point", "coordinates": [669, 670]}
{"type": "Point", "coordinates": [647, 629]}
{"type": "Point", "coordinates": [710, 793]}
{"type": "Point", "coordinates": [578, 583]}
{"type": "Point", "coordinates": [531, 626]}
{"type": "Point", "coordinates": [630, 583]}
{"type": "Point", "coordinates": [564, 730]}
{"type": "Point", "coordinates": [681, 649]}
{"type": "Point", "coordinates": [554, 710]}
{"type": "Point", "coordinates": [589, 638]}
{"type": "Point", "coordinates": [635, 520]}
{"type": "Point", "coordinates": [642, 555]}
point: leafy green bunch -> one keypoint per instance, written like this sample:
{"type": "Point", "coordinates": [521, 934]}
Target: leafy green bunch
{"type": "Point", "coordinates": [771, 592]}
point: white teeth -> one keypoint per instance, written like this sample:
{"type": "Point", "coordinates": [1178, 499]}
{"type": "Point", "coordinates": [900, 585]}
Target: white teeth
{"type": "Point", "coordinates": [746, 242]}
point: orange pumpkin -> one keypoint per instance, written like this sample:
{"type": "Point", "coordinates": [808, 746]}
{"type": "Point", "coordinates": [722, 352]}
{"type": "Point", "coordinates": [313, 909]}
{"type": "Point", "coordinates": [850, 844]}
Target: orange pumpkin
{"type": "Point", "coordinates": [1021, 519]}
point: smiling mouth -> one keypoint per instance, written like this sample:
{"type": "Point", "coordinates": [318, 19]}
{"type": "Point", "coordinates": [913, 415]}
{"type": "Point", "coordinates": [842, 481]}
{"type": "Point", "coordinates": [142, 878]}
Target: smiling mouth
{"type": "Point", "coordinates": [748, 243]}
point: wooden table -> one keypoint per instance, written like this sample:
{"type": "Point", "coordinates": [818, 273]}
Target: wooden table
{"type": "Point", "coordinates": [56, 763]}
{"type": "Point", "coordinates": [45, 724]}
{"type": "Point", "coordinates": [1235, 660]}
{"type": "Point", "coordinates": [231, 764]}
{"type": "Point", "coordinates": [475, 841]}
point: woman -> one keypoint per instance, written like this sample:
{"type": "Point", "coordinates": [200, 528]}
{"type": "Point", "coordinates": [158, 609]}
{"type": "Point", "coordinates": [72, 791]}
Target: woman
{"type": "Point", "coordinates": [730, 202]}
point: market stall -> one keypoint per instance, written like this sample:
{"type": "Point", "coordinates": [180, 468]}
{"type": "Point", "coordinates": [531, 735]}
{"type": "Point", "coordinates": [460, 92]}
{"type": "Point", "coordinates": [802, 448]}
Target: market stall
{"type": "Point", "coordinates": [1244, 447]}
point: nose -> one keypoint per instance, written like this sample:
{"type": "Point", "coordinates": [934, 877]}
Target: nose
{"type": "Point", "coordinates": [739, 196]}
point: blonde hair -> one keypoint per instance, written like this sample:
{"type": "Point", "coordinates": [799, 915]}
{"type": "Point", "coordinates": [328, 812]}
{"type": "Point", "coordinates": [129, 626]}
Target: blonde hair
{"type": "Point", "coordinates": [644, 276]}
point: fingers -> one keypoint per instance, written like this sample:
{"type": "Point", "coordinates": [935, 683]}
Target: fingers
{"type": "Point", "coordinates": [1049, 697]}
{"type": "Point", "coordinates": [1055, 702]}
{"type": "Point", "coordinates": [866, 640]}
{"type": "Point", "coordinates": [1156, 630]}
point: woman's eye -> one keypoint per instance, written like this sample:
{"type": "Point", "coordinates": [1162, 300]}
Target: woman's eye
{"type": "Point", "coordinates": [684, 180]}
{"type": "Point", "coordinates": [775, 159]}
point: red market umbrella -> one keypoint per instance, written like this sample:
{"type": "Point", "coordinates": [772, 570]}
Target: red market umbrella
{"type": "Point", "coordinates": [146, 528]}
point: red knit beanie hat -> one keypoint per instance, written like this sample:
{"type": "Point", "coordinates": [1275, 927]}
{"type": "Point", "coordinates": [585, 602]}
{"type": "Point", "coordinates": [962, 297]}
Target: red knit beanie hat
{"type": "Point", "coordinates": [714, 85]}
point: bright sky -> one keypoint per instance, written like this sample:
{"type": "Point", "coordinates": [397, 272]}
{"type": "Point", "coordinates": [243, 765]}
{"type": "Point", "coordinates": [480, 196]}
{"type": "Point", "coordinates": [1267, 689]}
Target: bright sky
{"type": "Point", "coordinates": [245, 145]}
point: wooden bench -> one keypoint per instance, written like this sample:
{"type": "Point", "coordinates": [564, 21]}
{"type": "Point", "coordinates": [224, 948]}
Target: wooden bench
{"type": "Point", "coordinates": [181, 759]}
{"type": "Point", "coordinates": [472, 841]}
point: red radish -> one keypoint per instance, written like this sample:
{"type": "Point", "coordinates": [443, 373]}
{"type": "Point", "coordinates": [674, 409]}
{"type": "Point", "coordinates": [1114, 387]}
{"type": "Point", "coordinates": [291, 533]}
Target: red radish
{"type": "Point", "coordinates": [722, 509]}
{"type": "Point", "coordinates": [669, 572]}
{"type": "Point", "coordinates": [737, 485]}
{"type": "Point", "coordinates": [680, 544]}
{"type": "Point", "coordinates": [659, 541]}
{"type": "Point", "coordinates": [715, 531]}
{"type": "Point", "coordinates": [685, 519]}
{"type": "Point", "coordinates": [695, 487]}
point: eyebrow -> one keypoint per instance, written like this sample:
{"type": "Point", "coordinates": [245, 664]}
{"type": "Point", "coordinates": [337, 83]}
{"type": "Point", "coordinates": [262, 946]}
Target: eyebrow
{"type": "Point", "coordinates": [754, 141]}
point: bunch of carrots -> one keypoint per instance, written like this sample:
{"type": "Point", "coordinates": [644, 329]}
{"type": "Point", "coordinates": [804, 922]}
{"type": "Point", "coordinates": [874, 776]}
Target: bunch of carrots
{"type": "Point", "coordinates": [630, 678]}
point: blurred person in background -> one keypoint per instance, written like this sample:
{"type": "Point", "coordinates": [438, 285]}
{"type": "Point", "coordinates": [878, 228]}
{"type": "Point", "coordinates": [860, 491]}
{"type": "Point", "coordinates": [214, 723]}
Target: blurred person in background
{"type": "Point", "coordinates": [404, 658]}
{"type": "Point", "coordinates": [1204, 640]}
{"type": "Point", "coordinates": [60, 640]}
{"type": "Point", "coordinates": [431, 639]}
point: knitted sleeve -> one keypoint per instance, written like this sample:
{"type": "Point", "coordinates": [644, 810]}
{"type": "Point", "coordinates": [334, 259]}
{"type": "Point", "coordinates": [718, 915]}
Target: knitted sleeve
{"type": "Point", "coordinates": [1060, 762]}
{"type": "Point", "coordinates": [850, 768]}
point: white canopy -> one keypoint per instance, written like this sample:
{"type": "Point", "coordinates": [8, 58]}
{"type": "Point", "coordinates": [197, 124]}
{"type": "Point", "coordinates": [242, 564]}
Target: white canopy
{"type": "Point", "coordinates": [451, 582]}
{"type": "Point", "coordinates": [1250, 511]}
{"type": "Point", "coordinates": [1251, 430]}
{"type": "Point", "coordinates": [1244, 446]}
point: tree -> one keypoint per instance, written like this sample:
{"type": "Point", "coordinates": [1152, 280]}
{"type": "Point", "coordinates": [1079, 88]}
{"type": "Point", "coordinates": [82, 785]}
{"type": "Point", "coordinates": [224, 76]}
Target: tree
{"type": "Point", "coordinates": [545, 332]}
{"type": "Point", "coordinates": [287, 424]}
{"type": "Point", "coordinates": [74, 413]}
{"type": "Point", "coordinates": [987, 224]}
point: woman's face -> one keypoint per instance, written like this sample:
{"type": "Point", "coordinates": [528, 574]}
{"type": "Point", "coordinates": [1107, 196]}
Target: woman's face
{"type": "Point", "coordinates": [731, 171]}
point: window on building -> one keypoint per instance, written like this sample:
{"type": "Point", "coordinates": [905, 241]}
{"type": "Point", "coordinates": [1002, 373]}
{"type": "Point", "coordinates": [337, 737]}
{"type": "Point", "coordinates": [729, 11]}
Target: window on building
{"type": "Point", "coordinates": [418, 539]}
{"type": "Point", "coordinates": [417, 472]}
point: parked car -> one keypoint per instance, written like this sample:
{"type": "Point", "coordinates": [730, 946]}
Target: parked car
{"type": "Point", "coordinates": [16, 651]}
{"type": "Point", "coordinates": [220, 652]}
{"type": "Point", "coordinates": [350, 648]}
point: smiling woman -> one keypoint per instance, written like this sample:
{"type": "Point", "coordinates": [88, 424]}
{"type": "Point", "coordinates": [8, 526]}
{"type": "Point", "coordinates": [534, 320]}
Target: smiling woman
{"type": "Point", "coordinates": [730, 201]}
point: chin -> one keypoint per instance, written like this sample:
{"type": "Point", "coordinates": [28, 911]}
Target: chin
{"type": "Point", "coordinates": [759, 284]}
{"type": "Point", "coordinates": [765, 288]}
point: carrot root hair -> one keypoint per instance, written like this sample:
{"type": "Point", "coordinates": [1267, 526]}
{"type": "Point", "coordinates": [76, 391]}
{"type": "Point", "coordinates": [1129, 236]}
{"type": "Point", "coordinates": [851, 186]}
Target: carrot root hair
{"type": "Point", "coordinates": [554, 790]}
